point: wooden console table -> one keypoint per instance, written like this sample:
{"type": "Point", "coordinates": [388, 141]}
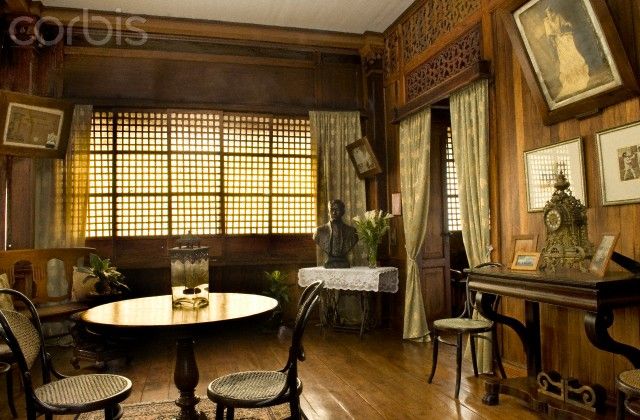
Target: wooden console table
{"type": "Point", "coordinates": [570, 289]}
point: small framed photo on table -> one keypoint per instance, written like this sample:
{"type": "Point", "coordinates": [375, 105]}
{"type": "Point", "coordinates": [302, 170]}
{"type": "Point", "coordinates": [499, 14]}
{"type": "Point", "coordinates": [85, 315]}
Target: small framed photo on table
{"type": "Point", "coordinates": [527, 261]}
{"type": "Point", "coordinates": [363, 158]}
{"type": "Point", "coordinates": [602, 255]}
{"type": "Point", "coordinates": [619, 153]}
{"type": "Point", "coordinates": [34, 126]}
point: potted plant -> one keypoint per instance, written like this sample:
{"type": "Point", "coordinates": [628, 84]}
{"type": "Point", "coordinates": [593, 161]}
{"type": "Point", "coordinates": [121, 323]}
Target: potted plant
{"type": "Point", "coordinates": [278, 289]}
{"type": "Point", "coordinates": [109, 279]}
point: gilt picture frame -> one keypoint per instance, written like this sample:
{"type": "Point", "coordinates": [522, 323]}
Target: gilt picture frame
{"type": "Point", "coordinates": [571, 55]}
{"type": "Point", "coordinates": [619, 156]}
{"type": "Point", "coordinates": [602, 255]}
{"type": "Point", "coordinates": [542, 165]}
{"type": "Point", "coordinates": [364, 160]}
{"type": "Point", "coordinates": [526, 261]}
{"type": "Point", "coordinates": [34, 126]}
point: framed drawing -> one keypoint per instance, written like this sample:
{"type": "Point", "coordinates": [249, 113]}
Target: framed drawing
{"type": "Point", "coordinates": [363, 158]}
{"type": "Point", "coordinates": [34, 126]}
{"type": "Point", "coordinates": [571, 55]}
{"type": "Point", "coordinates": [619, 153]}
{"type": "Point", "coordinates": [542, 165]}
{"type": "Point", "coordinates": [527, 261]}
{"type": "Point", "coordinates": [601, 257]}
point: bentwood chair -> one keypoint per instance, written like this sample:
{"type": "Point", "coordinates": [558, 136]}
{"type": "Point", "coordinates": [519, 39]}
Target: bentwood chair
{"type": "Point", "coordinates": [463, 325]}
{"type": "Point", "coordinates": [628, 389]}
{"type": "Point", "coordinates": [69, 394]}
{"type": "Point", "coordinates": [255, 389]}
{"type": "Point", "coordinates": [7, 361]}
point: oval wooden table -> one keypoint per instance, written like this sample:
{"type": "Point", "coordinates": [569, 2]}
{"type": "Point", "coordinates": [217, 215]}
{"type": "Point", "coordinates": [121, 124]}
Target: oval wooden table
{"type": "Point", "coordinates": [133, 316]}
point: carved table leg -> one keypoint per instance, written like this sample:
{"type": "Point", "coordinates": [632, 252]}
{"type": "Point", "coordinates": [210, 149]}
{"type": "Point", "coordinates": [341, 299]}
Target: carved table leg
{"type": "Point", "coordinates": [596, 325]}
{"type": "Point", "coordinates": [186, 378]}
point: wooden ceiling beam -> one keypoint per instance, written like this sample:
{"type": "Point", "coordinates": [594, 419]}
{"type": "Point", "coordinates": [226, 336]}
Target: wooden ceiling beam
{"type": "Point", "coordinates": [213, 29]}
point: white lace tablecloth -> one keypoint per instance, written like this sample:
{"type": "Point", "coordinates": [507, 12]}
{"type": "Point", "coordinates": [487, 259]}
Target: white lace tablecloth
{"type": "Point", "coordinates": [380, 279]}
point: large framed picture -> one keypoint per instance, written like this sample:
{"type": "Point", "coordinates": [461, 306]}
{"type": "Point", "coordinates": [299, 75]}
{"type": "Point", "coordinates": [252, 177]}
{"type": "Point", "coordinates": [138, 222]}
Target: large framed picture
{"type": "Point", "coordinates": [363, 158]}
{"type": "Point", "coordinates": [34, 126]}
{"type": "Point", "coordinates": [543, 165]}
{"type": "Point", "coordinates": [571, 56]}
{"type": "Point", "coordinates": [619, 153]}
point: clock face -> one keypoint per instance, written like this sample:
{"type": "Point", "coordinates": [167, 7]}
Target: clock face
{"type": "Point", "coordinates": [553, 219]}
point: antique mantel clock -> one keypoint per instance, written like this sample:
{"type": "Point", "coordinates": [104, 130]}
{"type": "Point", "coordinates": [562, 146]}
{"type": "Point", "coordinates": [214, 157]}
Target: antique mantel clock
{"type": "Point", "coordinates": [565, 220]}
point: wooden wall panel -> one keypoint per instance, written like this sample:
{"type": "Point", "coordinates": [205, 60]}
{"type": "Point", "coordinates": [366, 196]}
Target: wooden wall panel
{"type": "Point", "coordinates": [516, 127]}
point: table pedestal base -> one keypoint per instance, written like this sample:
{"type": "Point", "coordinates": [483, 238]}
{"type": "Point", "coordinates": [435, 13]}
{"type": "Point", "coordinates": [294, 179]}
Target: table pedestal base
{"type": "Point", "coordinates": [186, 378]}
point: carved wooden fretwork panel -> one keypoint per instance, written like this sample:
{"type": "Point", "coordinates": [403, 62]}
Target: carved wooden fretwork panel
{"type": "Point", "coordinates": [432, 20]}
{"type": "Point", "coordinates": [457, 56]}
{"type": "Point", "coordinates": [392, 53]}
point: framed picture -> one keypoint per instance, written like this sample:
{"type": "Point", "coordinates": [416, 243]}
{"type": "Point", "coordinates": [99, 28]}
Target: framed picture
{"type": "Point", "coordinates": [601, 257]}
{"type": "Point", "coordinates": [542, 165]}
{"type": "Point", "coordinates": [34, 126]}
{"type": "Point", "coordinates": [571, 55]}
{"type": "Point", "coordinates": [527, 261]}
{"type": "Point", "coordinates": [363, 158]}
{"type": "Point", "coordinates": [619, 152]}
{"type": "Point", "coordinates": [525, 243]}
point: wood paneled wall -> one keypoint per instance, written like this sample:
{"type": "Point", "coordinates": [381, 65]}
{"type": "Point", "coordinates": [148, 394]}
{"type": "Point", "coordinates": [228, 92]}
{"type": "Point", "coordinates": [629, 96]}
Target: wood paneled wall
{"type": "Point", "coordinates": [516, 126]}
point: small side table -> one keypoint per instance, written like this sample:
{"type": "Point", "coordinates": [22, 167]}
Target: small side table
{"type": "Point", "coordinates": [361, 279]}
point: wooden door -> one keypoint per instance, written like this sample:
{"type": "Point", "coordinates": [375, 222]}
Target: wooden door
{"type": "Point", "coordinates": [435, 278]}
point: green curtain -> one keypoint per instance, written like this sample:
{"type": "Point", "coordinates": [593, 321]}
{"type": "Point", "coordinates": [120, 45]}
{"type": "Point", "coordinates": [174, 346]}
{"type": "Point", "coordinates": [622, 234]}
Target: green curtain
{"type": "Point", "coordinates": [415, 154]}
{"type": "Point", "coordinates": [469, 130]}
{"type": "Point", "coordinates": [331, 132]}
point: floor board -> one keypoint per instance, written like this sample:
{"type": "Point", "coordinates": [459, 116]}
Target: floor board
{"type": "Point", "coordinates": [378, 377]}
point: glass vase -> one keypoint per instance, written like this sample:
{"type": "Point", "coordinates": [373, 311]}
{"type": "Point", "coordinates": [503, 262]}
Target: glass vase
{"type": "Point", "coordinates": [373, 256]}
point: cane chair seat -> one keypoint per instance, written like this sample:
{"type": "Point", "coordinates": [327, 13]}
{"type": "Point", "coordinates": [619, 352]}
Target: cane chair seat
{"type": "Point", "coordinates": [462, 324]}
{"type": "Point", "coordinates": [249, 388]}
{"type": "Point", "coordinates": [82, 392]}
{"type": "Point", "coordinates": [630, 378]}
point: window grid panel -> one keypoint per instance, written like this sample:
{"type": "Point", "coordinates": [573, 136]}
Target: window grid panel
{"type": "Point", "coordinates": [142, 132]}
{"type": "Point", "coordinates": [102, 132]}
{"type": "Point", "coordinates": [246, 174]}
{"type": "Point", "coordinates": [246, 134]}
{"type": "Point", "coordinates": [195, 132]}
{"type": "Point", "coordinates": [157, 182]}
{"type": "Point", "coordinates": [291, 136]}
{"type": "Point", "coordinates": [99, 216]}
{"type": "Point", "coordinates": [199, 214]}
{"type": "Point", "coordinates": [292, 214]}
{"type": "Point", "coordinates": [246, 214]}
{"type": "Point", "coordinates": [138, 173]}
{"type": "Point", "coordinates": [454, 220]}
{"type": "Point", "coordinates": [293, 176]}
{"type": "Point", "coordinates": [142, 215]}
{"type": "Point", "coordinates": [193, 173]}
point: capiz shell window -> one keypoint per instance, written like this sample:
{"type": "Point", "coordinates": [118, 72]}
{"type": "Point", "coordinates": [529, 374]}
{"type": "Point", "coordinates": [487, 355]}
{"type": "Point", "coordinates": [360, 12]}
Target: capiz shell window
{"type": "Point", "coordinates": [159, 173]}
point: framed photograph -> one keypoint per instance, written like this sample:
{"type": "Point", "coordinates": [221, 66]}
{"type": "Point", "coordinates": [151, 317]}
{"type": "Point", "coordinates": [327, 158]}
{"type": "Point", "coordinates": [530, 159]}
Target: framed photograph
{"type": "Point", "coordinates": [363, 158]}
{"type": "Point", "coordinates": [571, 55]}
{"type": "Point", "coordinates": [525, 243]}
{"type": "Point", "coordinates": [527, 261]}
{"type": "Point", "coordinates": [542, 165]}
{"type": "Point", "coordinates": [619, 153]}
{"type": "Point", "coordinates": [34, 126]}
{"type": "Point", "coordinates": [602, 255]}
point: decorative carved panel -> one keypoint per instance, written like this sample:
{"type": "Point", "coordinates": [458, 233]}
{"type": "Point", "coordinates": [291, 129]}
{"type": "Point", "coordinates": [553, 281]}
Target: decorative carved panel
{"type": "Point", "coordinates": [434, 19]}
{"type": "Point", "coordinates": [391, 53]}
{"type": "Point", "coordinates": [457, 56]}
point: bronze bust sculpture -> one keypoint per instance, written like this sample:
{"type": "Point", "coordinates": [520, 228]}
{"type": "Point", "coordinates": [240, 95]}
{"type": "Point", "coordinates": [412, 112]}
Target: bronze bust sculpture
{"type": "Point", "coordinates": [336, 238]}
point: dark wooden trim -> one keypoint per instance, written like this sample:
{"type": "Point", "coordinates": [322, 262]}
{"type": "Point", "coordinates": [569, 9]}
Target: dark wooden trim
{"type": "Point", "coordinates": [479, 70]}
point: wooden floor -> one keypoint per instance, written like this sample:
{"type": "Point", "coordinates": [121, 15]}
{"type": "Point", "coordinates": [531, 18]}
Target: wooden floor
{"type": "Point", "coordinates": [378, 377]}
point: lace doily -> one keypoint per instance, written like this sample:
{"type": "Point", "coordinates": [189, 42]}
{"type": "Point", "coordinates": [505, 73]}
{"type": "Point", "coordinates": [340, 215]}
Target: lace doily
{"type": "Point", "coordinates": [380, 279]}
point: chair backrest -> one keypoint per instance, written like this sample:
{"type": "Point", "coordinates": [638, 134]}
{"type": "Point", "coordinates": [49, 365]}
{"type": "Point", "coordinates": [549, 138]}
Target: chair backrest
{"type": "Point", "coordinates": [469, 304]}
{"type": "Point", "coordinates": [308, 300]}
{"type": "Point", "coordinates": [23, 333]}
